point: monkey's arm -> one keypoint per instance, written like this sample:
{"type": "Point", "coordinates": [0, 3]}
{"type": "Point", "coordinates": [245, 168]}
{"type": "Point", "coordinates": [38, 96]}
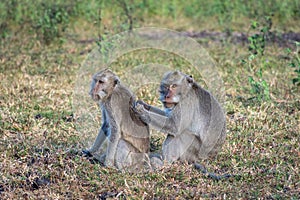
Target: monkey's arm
{"type": "Point", "coordinates": [151, 108]}
{"type": "Point", "coordinates": [115, 117]}
{"type": "Point", "coordinates": [113, 141]}
{"type": "Point", "coordinates": [104, 132]}
{"type": "Point", "coordinates": [158, 119]}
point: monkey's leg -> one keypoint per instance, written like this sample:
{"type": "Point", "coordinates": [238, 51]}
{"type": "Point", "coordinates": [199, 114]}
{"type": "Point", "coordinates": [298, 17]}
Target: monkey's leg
{"type": "Point", "coordinates": [171, 149]}
{"type": "Point", "coordinates": [156, 161]}
{"type": "Point", "coordinates": [218, 144]}
{"type": "Point", "coordinates": [129, 158]}
{"type": "Point", "coordinates": [122, 155]}
{"type": "Point", "coordinates": [191, 146]}
{"type": "Point", "coordinates": [181, 147]}
{"type": "Point", "coordinates": [112, 148]}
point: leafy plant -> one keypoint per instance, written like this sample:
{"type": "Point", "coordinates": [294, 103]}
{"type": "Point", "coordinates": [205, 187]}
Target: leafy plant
{"type": "Point", "coordinates": [3, 30]}
{"type": "Point", "coordinates": [295, 63]}
{"type": "Point", "coordinates": [257, 42]}
{"type": "Point", "coordinates": [256, 48]}
{"type": "Point", "coordinates": [126, 11]}
{"type": "Point", "coordinates": [52, 21]}
{"type": "Point", "coordinates": [260, 86]}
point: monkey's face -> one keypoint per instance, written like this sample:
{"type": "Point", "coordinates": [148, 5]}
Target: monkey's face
{"type": "Point", "coordinates": [173, 88]}
{"type": "Point", "coordinates": [102, 85]}
{"type": "Point", "coordinates": [169, 94]}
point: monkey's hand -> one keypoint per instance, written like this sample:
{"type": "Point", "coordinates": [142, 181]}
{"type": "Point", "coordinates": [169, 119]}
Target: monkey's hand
{"type": "Point", "coordinates": [142, 111]}
{"type": "Point", "coordinates": [138, 110]}
{"type": "Point", "coordinates": [140, 102]}
{"type": "Point", "coordinates": [134, 113]}
{"type": "Point", "coordinates": [134, 103]}
{"type": "Point", "coordinates": [138, 107]}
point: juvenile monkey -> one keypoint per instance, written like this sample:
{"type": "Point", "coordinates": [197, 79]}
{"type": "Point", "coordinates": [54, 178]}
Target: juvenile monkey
{"type": "Point", "coordinates": [193, 119]}
{"type": "Point", "coordinates": [128, 137]}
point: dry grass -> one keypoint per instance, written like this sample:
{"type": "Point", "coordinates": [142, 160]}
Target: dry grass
{"type": "Point", "coordinates": [39, 143]}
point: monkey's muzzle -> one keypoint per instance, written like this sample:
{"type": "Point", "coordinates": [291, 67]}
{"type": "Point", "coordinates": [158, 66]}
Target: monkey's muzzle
{"type": "Point", "coordinates": [169, 105]}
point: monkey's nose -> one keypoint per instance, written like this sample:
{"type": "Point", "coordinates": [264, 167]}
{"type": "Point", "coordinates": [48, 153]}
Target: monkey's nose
{"type": "Point", "coordinates": [168, 96]}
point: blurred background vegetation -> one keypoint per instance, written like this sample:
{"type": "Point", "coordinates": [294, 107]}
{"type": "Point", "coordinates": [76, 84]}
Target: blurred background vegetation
{"type": "Point", "coordinates": [255, 44]}
{"type": "Point", "coordinates": [50, 19]}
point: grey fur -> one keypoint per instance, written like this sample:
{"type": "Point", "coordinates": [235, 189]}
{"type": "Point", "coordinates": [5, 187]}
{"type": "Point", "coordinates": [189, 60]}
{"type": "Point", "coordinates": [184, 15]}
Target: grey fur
{"type": "Point", "coordinates": [128, 137]}
{"type": "Point", "coordinates": [195, 125]}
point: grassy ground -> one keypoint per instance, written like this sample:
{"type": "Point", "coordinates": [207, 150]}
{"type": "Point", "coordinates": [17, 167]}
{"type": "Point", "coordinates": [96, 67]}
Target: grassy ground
{"type": "Point", "coordinates": [39, 143]}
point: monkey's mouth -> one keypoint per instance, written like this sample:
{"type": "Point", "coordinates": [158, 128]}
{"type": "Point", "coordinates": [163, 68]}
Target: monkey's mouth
{"type": "Point", "coordinates": [99, 96]}
{"type": "Point", "coordinates": [169, 104]}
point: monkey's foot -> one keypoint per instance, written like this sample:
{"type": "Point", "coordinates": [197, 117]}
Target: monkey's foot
{"type": "Point", "coordinates": [94, 159]}
{"type": "Point", "coordinates": [86, 153]}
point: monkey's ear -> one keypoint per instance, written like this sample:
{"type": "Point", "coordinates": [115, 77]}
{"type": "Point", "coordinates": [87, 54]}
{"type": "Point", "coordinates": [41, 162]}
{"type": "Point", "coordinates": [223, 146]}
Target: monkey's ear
{"type": "Point", "coordinates": [116, 81]}
{"type": "Point", "coordinates": [190, 79]}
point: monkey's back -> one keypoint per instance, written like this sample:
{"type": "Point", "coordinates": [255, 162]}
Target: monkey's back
{"type": "Point", "coordinates": [215, 127]}
{"type": "Point", "coordinates": [133, 130]}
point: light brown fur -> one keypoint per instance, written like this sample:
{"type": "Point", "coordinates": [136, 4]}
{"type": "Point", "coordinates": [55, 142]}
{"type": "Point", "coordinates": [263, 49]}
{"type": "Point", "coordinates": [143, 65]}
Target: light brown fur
{"type": "Point", "coordinates": [193, 119]}
{"type": "Point", "coordinates": [128, 136]}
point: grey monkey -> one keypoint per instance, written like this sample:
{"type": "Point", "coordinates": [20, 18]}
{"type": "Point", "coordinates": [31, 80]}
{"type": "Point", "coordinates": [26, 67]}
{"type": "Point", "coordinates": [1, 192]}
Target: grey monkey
{"type": "Point", "coordinates": [128, 136]}
{"type": "Point", "coordinates": [193, 119]}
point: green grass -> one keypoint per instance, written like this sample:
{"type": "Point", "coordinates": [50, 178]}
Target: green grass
{"type": "Point", "coordinates": [39, 142]}
{"type": "Point", "coordinates": [49, 20]}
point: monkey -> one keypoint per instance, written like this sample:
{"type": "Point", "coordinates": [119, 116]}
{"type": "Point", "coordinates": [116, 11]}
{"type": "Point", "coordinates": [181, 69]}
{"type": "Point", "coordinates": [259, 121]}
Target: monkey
{"type": "Point", "coordinates": [128, 136]}
{"type": "Point", "coordinates": [192, 119]}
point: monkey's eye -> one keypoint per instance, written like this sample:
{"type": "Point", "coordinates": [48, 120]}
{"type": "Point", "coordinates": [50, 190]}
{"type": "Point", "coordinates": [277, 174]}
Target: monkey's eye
{"type": "Point", "coordinates": [100, 81]}
{"type": "Point", "coordinates": [163, 88]}
{"type": "Point", "coordinates": [173, 86]}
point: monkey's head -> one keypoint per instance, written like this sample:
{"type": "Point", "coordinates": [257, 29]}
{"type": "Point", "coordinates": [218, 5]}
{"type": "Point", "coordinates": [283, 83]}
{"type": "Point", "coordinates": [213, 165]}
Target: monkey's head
{"type": "Point", "coordinates": [103, 84]}
{"type": "Point", "coordinates": [174, 86]}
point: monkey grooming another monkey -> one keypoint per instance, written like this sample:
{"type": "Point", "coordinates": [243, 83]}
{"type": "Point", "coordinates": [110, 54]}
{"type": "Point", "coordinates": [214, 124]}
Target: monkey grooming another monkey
{"type": "Point", "coordinates": [193, 119]}
{"type": "Point", "coordinates": [128, 137]}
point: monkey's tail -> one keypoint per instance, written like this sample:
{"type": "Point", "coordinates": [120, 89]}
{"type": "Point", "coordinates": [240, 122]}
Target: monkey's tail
{"type": "Point", "coordinates": [211, 175]}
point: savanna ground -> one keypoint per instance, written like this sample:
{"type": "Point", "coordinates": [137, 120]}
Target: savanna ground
{"type": "Point", "coordinates": [43, 45]}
